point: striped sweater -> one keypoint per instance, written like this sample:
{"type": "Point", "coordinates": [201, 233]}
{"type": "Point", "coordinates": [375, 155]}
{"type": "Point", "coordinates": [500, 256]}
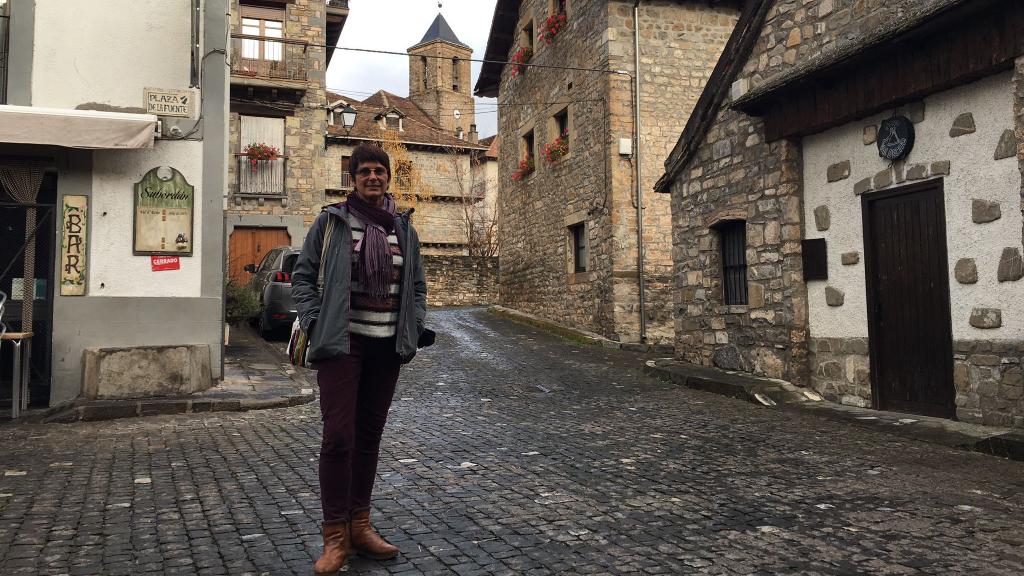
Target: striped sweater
{"type": "Point", "coordinates": [374, 317]}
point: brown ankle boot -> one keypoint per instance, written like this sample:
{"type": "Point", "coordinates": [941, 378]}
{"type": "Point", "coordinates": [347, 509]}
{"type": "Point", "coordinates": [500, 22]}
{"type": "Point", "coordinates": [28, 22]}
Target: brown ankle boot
{"type": "Point", "coordinates": [367, 542]}
{"type": "Point", "coordinates": [336, 546]}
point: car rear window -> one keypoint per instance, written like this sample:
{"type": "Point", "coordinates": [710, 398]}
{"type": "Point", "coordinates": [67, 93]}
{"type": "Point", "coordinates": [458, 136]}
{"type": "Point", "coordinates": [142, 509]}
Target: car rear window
{"type": "Point", "coordinates": [289, 263]}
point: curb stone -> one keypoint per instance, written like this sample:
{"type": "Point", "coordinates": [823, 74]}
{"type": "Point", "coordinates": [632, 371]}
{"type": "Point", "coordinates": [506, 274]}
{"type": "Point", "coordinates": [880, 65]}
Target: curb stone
{"type": "Point", "coordinates": [1001, 442]}
{"type": "Point", "coordinates": [570, 333]}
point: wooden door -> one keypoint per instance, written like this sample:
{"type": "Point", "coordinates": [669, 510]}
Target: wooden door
{"type": "Point", "coordinates": [908, 300]}
{"type": "Point", "coordinates": [249, 246]}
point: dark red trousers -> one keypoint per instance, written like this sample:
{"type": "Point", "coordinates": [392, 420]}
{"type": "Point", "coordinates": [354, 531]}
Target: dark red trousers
{"type": "Point", "coordinates": [355, 394]}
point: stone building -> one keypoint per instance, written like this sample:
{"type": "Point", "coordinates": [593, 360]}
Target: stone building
{"type": "Point", "coordinates": [567, 168]}
{"type": "Point", "coordinates": [847, 212]}
{"type": "Point", "coordinates": [453, 197]}
{"type": "Point", "coordinates": [278, 98]}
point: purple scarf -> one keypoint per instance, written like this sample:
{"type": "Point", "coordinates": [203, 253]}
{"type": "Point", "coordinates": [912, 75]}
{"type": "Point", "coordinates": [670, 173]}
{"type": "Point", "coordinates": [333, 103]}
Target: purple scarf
{"type": "Point", "coordinates": [375, 261]}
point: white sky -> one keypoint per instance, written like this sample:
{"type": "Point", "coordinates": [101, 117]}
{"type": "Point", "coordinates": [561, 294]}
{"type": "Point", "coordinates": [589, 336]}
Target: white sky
{"type": "Point", "coordinates": [396, 25]}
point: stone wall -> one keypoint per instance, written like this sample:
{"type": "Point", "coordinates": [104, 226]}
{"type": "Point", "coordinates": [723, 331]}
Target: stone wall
{"type": "Point", "coordinates": [989, 381]}
{"type": "Point", "coordinates": [797, 30]}
{"type": "Point", "coordinates": [304, 127]}
{"type": "Point", "coordinates": [735, 175]}
{"type": "Point", "coordinates": [841, 370]}
{"type": "Point", "coordinates": [679, 44]}
{"type": "Point", "coordinates": [533, 237]}
{"type": "Point", "coordinates": [461, 280]}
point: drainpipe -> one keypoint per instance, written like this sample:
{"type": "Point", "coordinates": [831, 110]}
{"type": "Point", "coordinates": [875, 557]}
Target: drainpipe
{"type": "Point", "coordinates": [639, 173]}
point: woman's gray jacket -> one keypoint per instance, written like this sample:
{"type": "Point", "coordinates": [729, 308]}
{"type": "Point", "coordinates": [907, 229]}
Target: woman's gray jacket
{"type": "Point", "coordinates": [326, 320]}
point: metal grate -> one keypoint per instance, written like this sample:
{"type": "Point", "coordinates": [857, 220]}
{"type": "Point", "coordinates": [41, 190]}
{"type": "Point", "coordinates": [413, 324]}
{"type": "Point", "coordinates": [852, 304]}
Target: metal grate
{"type": "Point", "coordinates": [734, 261]}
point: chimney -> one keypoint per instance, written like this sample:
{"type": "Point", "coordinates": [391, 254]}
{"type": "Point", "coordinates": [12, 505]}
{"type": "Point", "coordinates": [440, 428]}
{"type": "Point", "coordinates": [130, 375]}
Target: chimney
{"type": "Point", "coordinates": [474, 138]}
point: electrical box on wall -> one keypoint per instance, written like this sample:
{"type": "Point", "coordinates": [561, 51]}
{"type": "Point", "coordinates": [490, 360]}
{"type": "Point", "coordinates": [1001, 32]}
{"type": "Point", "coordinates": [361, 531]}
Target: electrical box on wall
{"type": "Point", "coordinates": [626, 146]}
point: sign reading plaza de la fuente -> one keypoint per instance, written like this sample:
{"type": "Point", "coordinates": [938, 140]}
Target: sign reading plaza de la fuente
{"type": "Point", "coordinates": [168, 102]}
{"type": "Point", "coordinates": [164, 209]}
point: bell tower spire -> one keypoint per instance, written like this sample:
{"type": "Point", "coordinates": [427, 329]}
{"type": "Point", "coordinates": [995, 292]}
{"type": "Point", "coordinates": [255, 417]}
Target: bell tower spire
{"type": "Point", "coordinates": [439, 77]}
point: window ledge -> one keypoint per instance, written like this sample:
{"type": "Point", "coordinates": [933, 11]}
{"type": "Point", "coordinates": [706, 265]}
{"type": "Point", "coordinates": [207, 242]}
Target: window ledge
{"type": "Point", "coordinates": [732, 309]}
{"type": "Point", "coordinates": [577, 277]}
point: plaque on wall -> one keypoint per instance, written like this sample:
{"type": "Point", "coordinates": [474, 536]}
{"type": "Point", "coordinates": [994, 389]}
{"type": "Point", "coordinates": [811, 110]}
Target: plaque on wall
{"type": "Point", "coordinates": [164, 208]}
{"type": "Point", "coordinates": [895, 138]}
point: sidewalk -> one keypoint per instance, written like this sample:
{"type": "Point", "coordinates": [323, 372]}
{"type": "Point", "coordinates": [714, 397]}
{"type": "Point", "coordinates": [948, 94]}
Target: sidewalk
{"type": "Point", "coordinates": [1002, 442]}
{"type": "Point", "coordinates": [256, 376]}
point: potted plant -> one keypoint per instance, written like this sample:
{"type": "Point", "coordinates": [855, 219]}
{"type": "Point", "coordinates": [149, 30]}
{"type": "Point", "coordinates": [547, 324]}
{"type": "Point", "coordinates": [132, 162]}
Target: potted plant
{"type": "Point", "coordinates": [258, 151]}
{"type": "Point", "coordinates": [522, 56]}
{"type": "Point", "coordinates": [558, 149]}
{"type": "Point", "coordinates": [526, 166]}
{"type": "Point", "coordinates": [552, 26]}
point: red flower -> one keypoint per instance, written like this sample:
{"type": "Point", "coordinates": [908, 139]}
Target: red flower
{"type": "Point", "coordinates": [521, 57]}
{"type": "Point", "coordinates": [552, 26]}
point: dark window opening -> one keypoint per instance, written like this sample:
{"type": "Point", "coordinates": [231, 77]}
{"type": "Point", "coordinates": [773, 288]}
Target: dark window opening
{"type": "Point", "coordinates": [562, 124]}
{"type": "Point", "coordinates": [733, 237]}
{"type": "Point", "coordinates": [392, 122]}
{"type": "Point", "coordinates": [528, 144]}
{"type": "Point", "coordinates": [579, 247]}
{"type": "Point", "coordinates": [455, 74]}
{"type": "Point", "coordinates": [528, 35]}
{"type": "Point", "coordinates": [426, 70]}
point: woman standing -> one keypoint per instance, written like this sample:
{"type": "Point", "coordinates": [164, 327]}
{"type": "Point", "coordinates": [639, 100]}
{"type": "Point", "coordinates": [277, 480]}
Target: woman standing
{"type": "Point", "coordinates": [363, 324]}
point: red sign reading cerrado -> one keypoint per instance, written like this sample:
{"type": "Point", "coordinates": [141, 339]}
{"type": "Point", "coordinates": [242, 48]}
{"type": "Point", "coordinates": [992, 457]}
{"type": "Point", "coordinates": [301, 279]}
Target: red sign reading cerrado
{"type": "Point", "coordinates": [165, 263]}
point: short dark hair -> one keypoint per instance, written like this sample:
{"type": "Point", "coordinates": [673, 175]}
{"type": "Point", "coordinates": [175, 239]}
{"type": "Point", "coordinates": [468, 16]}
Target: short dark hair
{"type": "Point", "coordinates": [368, 153]}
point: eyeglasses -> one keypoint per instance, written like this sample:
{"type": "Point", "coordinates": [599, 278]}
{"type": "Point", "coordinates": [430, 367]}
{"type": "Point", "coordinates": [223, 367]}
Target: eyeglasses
{"type": "Point", "coordinates": [378, 172]}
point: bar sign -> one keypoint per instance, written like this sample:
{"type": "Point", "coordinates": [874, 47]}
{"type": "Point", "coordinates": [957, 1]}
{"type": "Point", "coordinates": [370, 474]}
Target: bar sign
{"type": "Point", "coordinates": [165, 263]}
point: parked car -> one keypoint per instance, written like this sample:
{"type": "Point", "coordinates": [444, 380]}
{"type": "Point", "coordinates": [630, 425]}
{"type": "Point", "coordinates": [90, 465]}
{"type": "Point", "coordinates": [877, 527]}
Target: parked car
{"type": "Point", "coordinates": [272, 283]}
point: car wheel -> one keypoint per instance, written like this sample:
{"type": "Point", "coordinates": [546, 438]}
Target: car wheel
{"type": "Point", "coordinates": [263, 327]}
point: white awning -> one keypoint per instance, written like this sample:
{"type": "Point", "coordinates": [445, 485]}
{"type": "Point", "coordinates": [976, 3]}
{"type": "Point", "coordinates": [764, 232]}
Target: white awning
{"type": "Point", "coordinates": [76, 128]}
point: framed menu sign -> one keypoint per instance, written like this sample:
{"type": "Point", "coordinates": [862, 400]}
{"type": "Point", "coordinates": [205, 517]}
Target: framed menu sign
{"type": "Point", "coordinates": [164, 209]}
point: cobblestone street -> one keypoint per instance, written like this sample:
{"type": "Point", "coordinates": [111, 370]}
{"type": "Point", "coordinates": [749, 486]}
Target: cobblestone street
{"type": "Point", "coordinates": [510, 451]}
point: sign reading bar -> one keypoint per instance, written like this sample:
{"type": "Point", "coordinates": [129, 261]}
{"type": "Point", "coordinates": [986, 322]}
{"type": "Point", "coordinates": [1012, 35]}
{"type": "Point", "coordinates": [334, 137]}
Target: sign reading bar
{"type": "Point", "coordinates": [163, 102]}
{"type": "Point", "coordinates": [164, 203]}
{"type": "Point", "coordinates": [165, 263]}
{"type": "Point", "coordinates": [73, 249]}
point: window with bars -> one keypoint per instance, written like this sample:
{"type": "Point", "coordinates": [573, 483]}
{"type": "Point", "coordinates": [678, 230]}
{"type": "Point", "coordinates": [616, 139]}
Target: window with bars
{"type": "Point", "coordinates": [733, 241]}
{"type": "Point", "coordinates": [579, 247]}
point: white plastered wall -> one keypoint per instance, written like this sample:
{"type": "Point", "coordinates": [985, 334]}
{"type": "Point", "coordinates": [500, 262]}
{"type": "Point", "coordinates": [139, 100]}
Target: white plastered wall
{"type": "Point", "coordinates": [113, 269]}
{"type": "Point", "coordinates": [973, 174]}
{"type": "Point", "coordinates": [106, 51]}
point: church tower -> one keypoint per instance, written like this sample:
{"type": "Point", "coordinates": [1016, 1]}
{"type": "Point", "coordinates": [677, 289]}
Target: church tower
{"type": "Point", "coordinates": [439, 79]}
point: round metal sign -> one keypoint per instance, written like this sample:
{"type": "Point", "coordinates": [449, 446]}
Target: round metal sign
{"type": "Point", "coordinates": [895, 138]}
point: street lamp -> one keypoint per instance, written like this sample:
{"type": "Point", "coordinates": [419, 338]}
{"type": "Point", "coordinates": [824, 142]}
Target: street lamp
{"type": "Point", "coordinates": [348, 117]}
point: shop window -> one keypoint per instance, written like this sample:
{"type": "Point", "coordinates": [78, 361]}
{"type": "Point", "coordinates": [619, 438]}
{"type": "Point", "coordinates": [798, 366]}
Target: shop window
{"type": "Point", "coordinates": [733, 241]}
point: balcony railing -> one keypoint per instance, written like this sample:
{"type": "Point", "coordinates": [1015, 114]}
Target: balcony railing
{"type": "Point", "coordinates": [269, 58]}
{"type": "Point", "coordinates": [4, 28]}
{"type": "Point", "coordinates": [262, 178]}
{"type": "Point", "coordinates": [337, 4]}
{"type": "Point", "coordinates": [346, 180]}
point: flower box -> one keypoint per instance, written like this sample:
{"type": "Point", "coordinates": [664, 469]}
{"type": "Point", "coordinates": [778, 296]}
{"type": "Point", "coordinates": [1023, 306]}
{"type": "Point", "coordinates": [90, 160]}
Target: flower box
{"type": "Point", "coordinates": [522, 56]}
{"type": "Point", "coordinates": [526, 167]}
{"type": "Point", "coordinates": [552, 27]}
{"type": "Point", "coordinates": [557, 149]}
